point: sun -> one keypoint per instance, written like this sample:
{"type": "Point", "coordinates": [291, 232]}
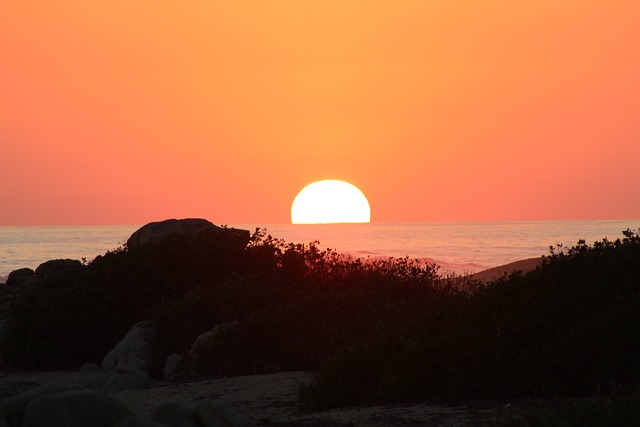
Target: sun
{"type": "Point", "coordinates": [330, 201]}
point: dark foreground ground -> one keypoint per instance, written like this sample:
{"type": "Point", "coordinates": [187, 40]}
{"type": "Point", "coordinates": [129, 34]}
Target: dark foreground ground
{"type": "Point", "coordinates": [271, 400]}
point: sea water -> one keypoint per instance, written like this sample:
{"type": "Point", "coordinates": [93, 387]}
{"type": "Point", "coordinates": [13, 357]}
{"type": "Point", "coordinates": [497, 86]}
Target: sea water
{"type": "Point", "coordinates": [456, 246]}
{"type": "Point", "coordinates": [30, 246]}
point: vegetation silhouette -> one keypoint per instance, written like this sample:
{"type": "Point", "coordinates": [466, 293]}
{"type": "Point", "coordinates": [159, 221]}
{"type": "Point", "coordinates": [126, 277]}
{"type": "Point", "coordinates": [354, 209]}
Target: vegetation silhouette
{"type": "Point", "coordinates": [374, 330]}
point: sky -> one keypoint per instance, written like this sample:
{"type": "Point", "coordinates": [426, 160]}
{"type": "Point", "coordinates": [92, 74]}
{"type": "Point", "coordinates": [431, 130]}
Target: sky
{"type": "Point", "coordinates": [126, 112]}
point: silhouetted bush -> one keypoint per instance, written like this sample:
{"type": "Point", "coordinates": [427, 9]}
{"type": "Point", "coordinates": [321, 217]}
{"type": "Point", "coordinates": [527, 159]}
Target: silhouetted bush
{"type": "Point", "coordinates": [568, 328]}
{"type": "Point", "coordinates": [375, 330]}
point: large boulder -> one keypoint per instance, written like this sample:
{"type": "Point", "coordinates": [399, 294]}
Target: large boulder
{"type": "Point", "coordinates": [117, 381]}
{"type": "Point", "coordinates": [20, 277]}
{"type": "Point", "coordinates": [95, 381]}
{"type": "Point", "coordinates": [219, 413]}
{"type": "Point", "coordinates": [4, 290]}
{"type": "Point", "coordinates": [4, 327]}
{"type": "Point", "coordinates": [13, 408]}
{"type": "Point", "coordinates": [133, 353]}
{"type": "Point", "coordinates": [216, 413]}
{"type": "Point", "coordinates": [157, 231]}
{"type": "Point", "coordinates": [174, 414]}
{"type": "Point", "coordinates": [74, 408]}
{"type": "Point", "coordinates": [125, 380]}
{"type": "Point", "coordinates": [55, 265]}
{"type": "Point", "coordinates": [171, 365]}
{"type": "Point", "coordinates": [202, 339]}
{"type": "Point", "coordinates": [196, 358]}
{"type": "Point", "coordinates": [6, 296]}
{"type": "Point", "coordinates": [137, 422]}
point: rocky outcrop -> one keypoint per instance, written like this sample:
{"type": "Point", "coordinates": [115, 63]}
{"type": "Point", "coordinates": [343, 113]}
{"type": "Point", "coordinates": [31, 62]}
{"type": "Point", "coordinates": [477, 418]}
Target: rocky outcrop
{"type": "Point", "coordinates": [137, 422]}
{"type": "Point", "coordinates": [202, 339]}
{"type": "Point", "coordinates": [55, 265]}
{"type": "Point", "coordinates": [208, 413]}
{"type": "Point", "coordinates": [196, 358]}
{"type": "Point", "coordinates": [20, 277]}
{"type": "Point", "coordinates": [118, 381]}
{"type": "Point", "coordinates": [126, 366]}
{"type": "Point", "coordinates": [125, 380]}
{"type": "Point", "coordinates": [25, 277]}
{"type": "Point", "coordinates": [6, 296]}
{"type": "Point", "coordinates": [13, 409]}
{"type": "Point", "coordinates": [133, 352]}
{"type": "Point", "coordinates": [4, 290]}
{"type": "Point", "coordinates": [57, 404]}
{"type": "Point", "coordinates": [171, 365]}
{"type": "Point", "coordinates": [157, 231]}
{"type": "Point", "coordinates": [4, 327]}
{"type": "Point", "coordinates": [74, 408]}
{"type": "Point", "coordinates": [61, 405]}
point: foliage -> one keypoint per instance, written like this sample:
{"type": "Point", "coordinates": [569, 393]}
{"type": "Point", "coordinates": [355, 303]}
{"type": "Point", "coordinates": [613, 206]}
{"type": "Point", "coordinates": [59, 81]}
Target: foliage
{"type": "Point", "coordinates": [568, 328]}
{"type": "Point", "coordinates": [374, 330]}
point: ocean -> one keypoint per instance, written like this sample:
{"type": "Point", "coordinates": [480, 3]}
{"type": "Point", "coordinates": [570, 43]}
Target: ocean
{"type": "Point", "coordinates": [457, 246]}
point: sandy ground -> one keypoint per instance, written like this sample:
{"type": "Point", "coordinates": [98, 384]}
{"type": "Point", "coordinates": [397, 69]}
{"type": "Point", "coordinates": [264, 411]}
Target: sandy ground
{"type": "Point", "coordinates": [269, 400]}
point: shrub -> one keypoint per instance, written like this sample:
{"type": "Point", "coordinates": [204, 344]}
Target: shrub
{"type": "Point", "coordinates": [375, 330]}
{"type": "Point", "coordinates": [568, 328]}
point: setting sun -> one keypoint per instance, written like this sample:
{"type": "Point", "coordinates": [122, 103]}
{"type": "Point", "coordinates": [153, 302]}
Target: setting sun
{"type": "Point", "coordinates": [330, 201]}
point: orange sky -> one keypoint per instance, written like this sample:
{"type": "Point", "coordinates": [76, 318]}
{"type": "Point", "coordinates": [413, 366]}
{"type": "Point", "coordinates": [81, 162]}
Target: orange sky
{"type": "Point", "coordinates": [125, 112]}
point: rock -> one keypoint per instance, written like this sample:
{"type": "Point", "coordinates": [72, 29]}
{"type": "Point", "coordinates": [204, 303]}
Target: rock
{"type": "Point", "coordinates": [175, 415]}
{"type": "Point", "coordinates": [4, 327]}
{"type": "Point", "coordinates": [171, 365]}
{"type": "Point", "coordinates": [126, 365]}
{"type": "Point", "coordinates": [125, 380]}
{"type": "Point", "coordinates": [74, 408]}
{"type": "Point", "coordinates": [18, 277]}
{"type": "Point", "coordinates": [89, 367]}
{"type": "Point", "coordinates": [5, 303]}
{"type": "Point", "coordinates": [195, 362]}
{"type": "Point", "coordinates": [95, 381]}
{"type": "Point", "coordinates": [14, 408]}
{"type": "Point", "coordinates": [200, 340]}
{"type": "Point", "coordinates": [217, 413]}
{"type": "Point", "coordinates": [133, 352]}
{"type": "Point", "coordinates": [137, 422]}
{"type": "Point", "coordinates": [25, 284]}
{"type": "Point", "coordinates": [210, 414]}
{"type": "Point", "coordinates": [55, 265]}
{"type": "Point", "coordinates": [118, 381]}
{"type": "Point", "coordinates": [206, 336]}
{"type": "Point", "coordinates": [6, 297]}
{"type": "Point", "coordinates": [156, 231]}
